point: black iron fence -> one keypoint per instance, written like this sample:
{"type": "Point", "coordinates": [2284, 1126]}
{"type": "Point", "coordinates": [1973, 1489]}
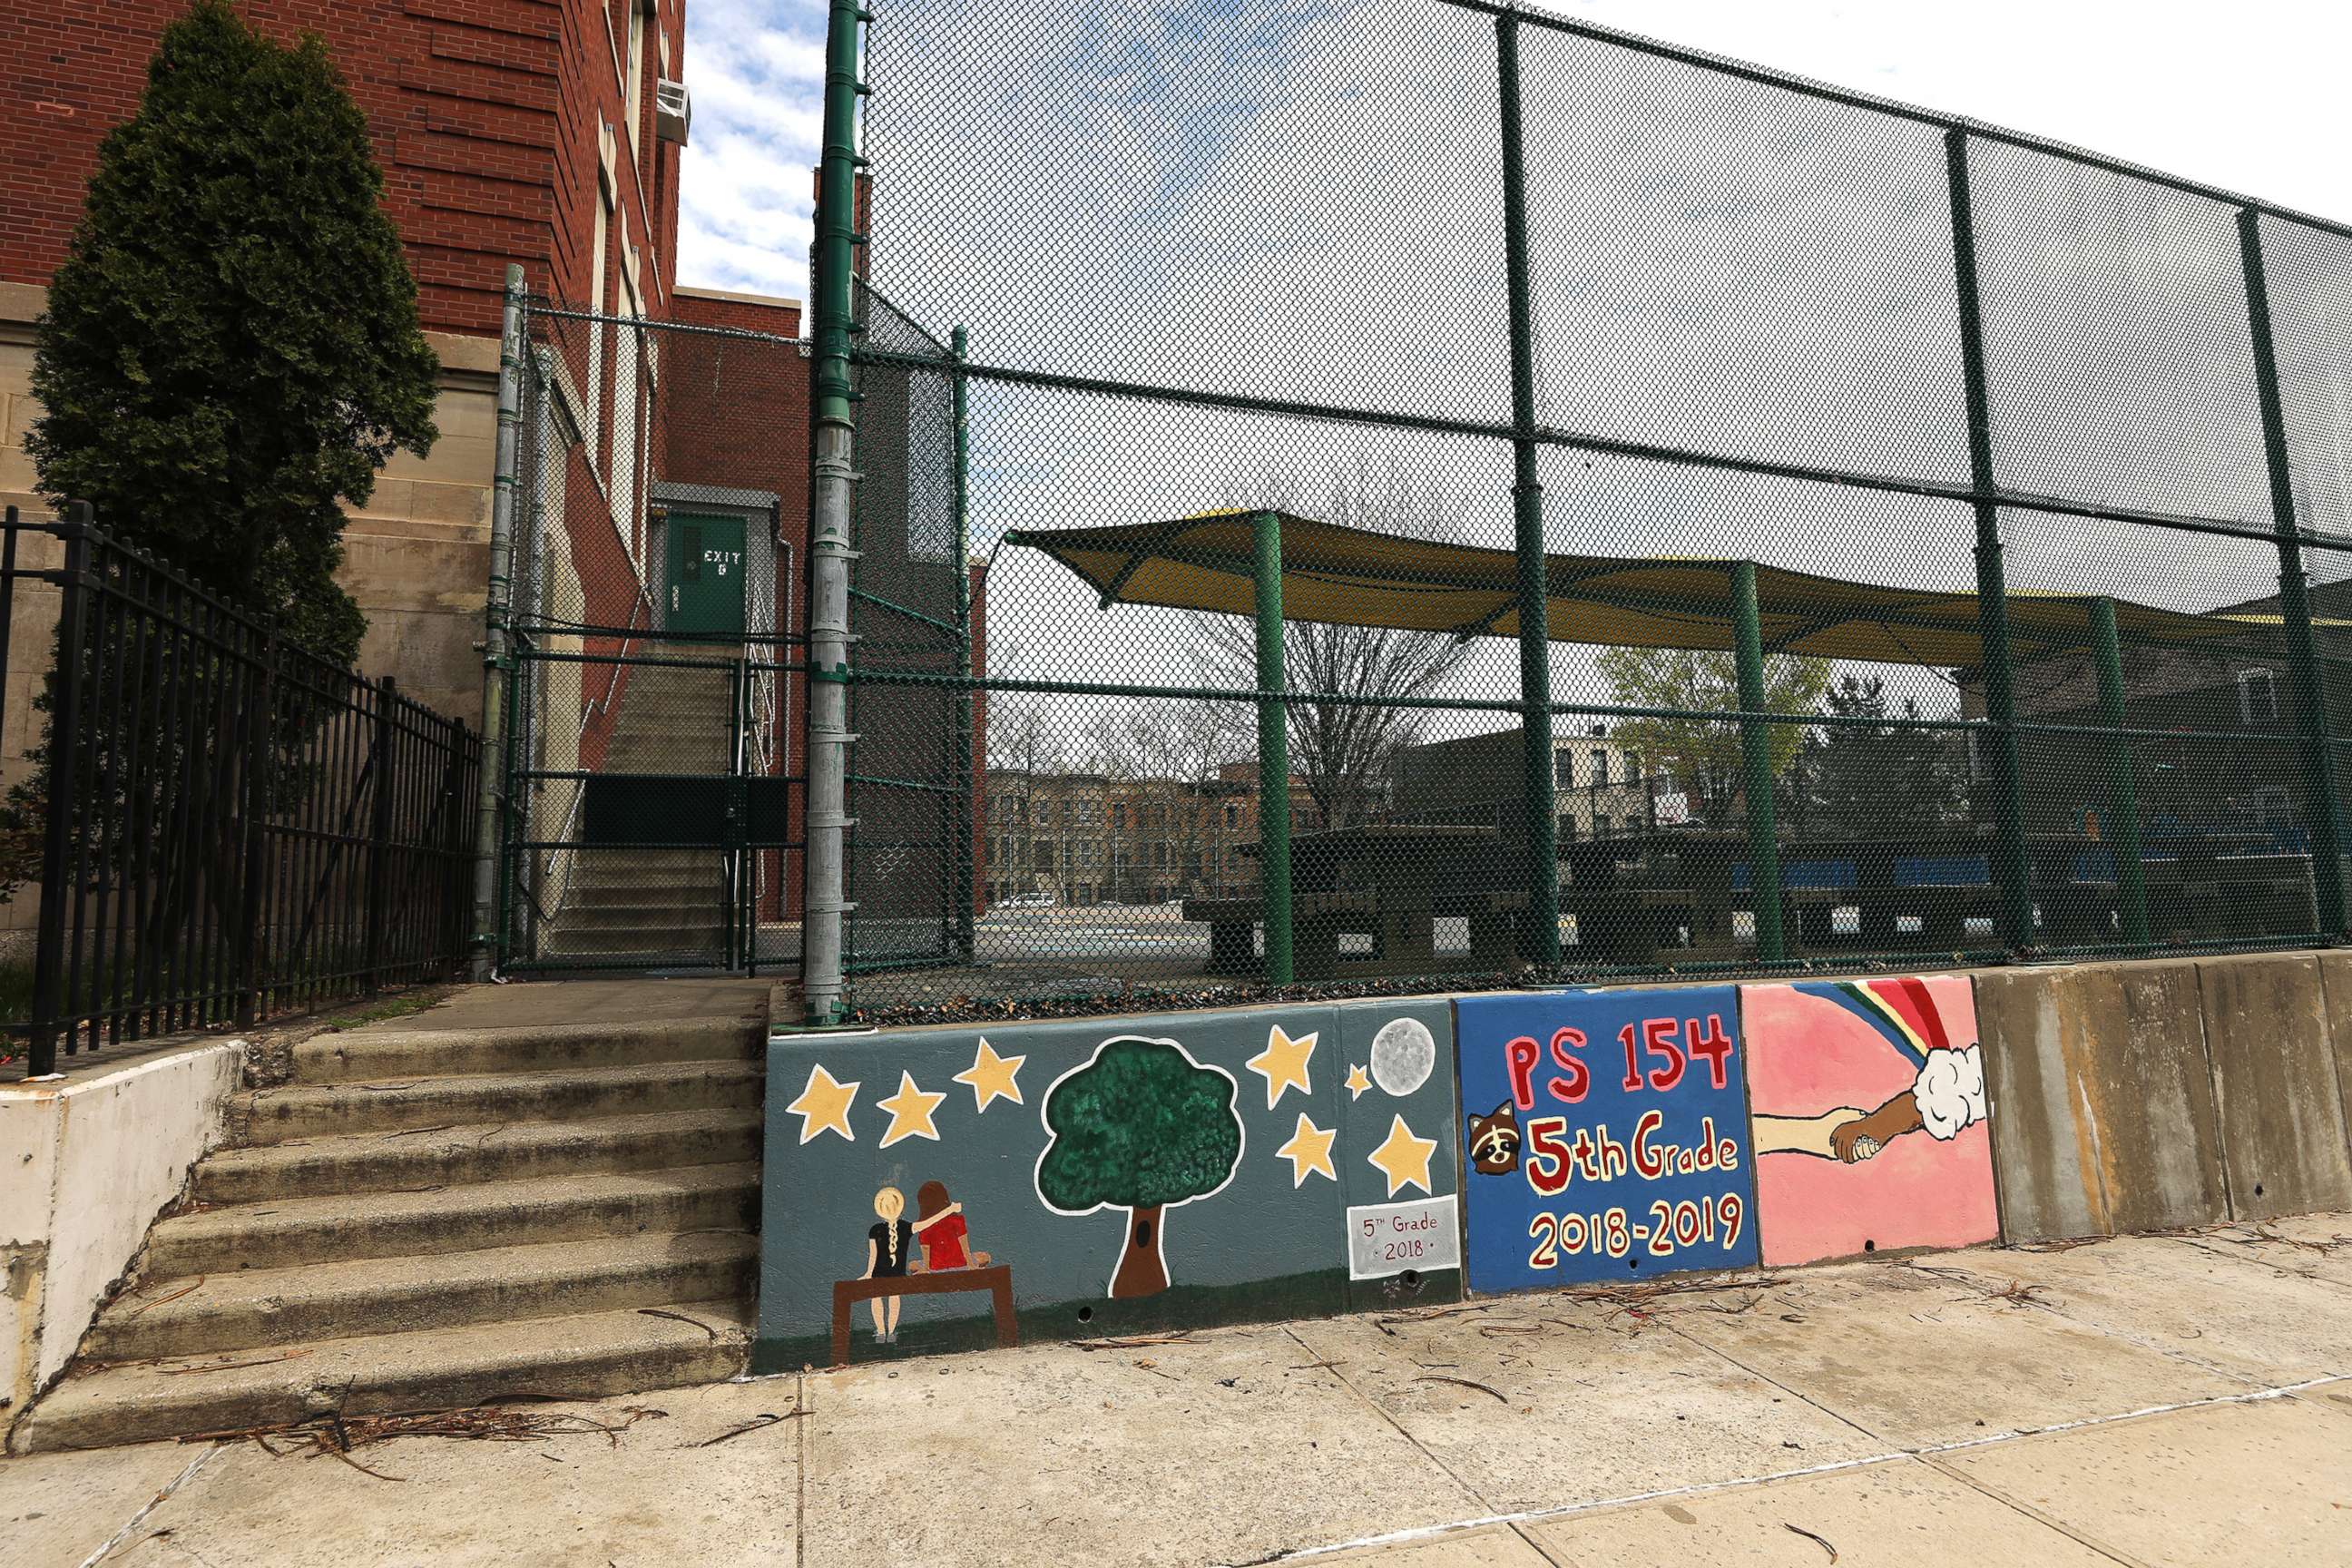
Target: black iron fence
{"type": "Point", "coordinates": [220, 825]}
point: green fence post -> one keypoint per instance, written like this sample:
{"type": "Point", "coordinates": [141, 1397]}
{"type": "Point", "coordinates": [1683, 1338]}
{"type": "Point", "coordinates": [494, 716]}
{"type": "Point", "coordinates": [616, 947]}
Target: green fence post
{"type": "Point", "coordinates": [1273, 752]}
{"type": "Point", "coordinates": [1756, 753]}
{"type": "Point", "coordinates": [2122, 831]}
{"type": "Point", "coordinates": [1527, 507]}
{"type": "Point", "coordinates": [965, 780]}
{"type": "Point", "coordinates": [2294, 597]}
{"type": "Point", "coordinates": [2011, 874]}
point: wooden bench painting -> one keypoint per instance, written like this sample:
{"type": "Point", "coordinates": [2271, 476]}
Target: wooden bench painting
{"type": "Point", "coordinates": [929, 1256]}
{"type": "Point", "coordinates": [996, 1279]}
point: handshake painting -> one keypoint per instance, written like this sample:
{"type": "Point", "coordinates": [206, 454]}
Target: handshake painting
{"type": "Point", "coordinates": [1947, 1097]}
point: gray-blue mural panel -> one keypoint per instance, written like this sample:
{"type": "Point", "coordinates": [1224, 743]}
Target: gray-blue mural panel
{"type": "Point", "coordinates": [938, 1189]}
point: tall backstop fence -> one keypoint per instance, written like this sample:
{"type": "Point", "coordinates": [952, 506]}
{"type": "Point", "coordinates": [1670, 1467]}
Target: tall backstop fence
{"type": "Point", "coordinates": [220, 825]}
{"type": "Point", "coordinates": [1456, 490]}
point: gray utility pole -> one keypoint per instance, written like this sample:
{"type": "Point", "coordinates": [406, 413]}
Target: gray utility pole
{"type": "Point", "coordinates": [494, 627]}
{"type": "Point", "coordinates": [830, 555]}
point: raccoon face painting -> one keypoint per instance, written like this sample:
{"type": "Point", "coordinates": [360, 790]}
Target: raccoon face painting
{"type": "Point", "coordinates": [1494, 1142]}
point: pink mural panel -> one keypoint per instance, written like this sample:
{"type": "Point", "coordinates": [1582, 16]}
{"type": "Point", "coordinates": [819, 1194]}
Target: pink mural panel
{"type": "Point", "coordinates": [1867, 1109]}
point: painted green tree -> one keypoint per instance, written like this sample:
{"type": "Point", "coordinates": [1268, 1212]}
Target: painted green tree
{"type": "Point", "coordinates": [1141, 1128]}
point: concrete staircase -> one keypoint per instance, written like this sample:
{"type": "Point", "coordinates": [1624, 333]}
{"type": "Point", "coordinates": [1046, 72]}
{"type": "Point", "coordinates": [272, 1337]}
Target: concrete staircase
{"type": "Point", "coordinates": [653, 904]}
{"type": "Point", "coordinates": [427, 1219]}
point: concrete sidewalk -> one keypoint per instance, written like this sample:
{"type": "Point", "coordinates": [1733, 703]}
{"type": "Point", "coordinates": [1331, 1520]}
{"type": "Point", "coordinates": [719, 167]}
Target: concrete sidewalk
{"type": "Point", "coordinates": [2154, 1400]}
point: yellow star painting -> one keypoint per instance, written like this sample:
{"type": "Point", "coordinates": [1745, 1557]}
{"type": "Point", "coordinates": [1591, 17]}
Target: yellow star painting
{"type": "Point", "coordinates": [1283, 1064]}
{"type": "Point", "coordinates": [1308, 1151]}
{"type": "Point", "coordinates": [1404, 1159]}
{"type": "Point", "coordinates": [1359, 1080]}
{"type": "Point", "coordinates": [823, 1106]}
{"type": "Point", "coordinates": [910, 1112]}
{"type": "Point", "coordinates": [991, 1077]}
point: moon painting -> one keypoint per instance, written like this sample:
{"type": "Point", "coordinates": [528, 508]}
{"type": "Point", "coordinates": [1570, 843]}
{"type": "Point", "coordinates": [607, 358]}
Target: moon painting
{"type": "Point", "coordinates": [1404, 1056]}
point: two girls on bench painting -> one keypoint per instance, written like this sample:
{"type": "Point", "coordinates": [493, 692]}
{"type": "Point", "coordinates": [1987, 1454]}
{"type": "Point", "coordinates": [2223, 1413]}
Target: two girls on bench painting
{"type": "Point", "coordinates": [890, 1246]}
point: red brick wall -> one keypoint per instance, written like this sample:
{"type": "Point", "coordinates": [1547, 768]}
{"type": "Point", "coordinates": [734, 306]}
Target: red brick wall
{"type": "Point", "coordinates": [485, 115]}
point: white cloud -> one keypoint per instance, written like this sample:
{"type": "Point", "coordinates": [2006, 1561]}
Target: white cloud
{"type": "Point", "coordinates": [757, 70]}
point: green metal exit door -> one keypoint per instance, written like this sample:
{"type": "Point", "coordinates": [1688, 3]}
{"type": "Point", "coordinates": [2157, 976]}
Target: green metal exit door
{"type": "Point", "coordinates": [706, 575]}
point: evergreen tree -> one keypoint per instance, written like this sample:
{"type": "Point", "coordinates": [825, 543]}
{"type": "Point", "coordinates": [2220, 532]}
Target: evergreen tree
{"type": "Point", "coordinates": [1882, 779]}
{"type": "Point", "coordinates": [231, 347]}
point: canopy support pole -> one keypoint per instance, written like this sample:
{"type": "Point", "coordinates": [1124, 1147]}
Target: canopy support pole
{"type": "Point", "coordinates": [1542, 946]}
{"type": "Point", "coordinates": [1273, 752]}
{"type": "Point", "coordinates": [1756, 753]}
{"type": "Point", "coordinates": [2010, 873]}
{"type": "Point", "coordinates": [2122, 829]}
{"type": "Point", "coordinates": [2294, 599]}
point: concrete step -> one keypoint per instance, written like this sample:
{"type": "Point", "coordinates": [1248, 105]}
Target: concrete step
{"type": "Point", "coordinates": [584, 1356]}
{"type": "Point", "coordinates": [618, 878]}
{"type": "Point", "coordinates": [479, 1152]}
{"type": "Point", "coordinates": [399, 1295]}
{"type": "Point", "coordinates": [375, 1056]}
{"type": "Point", "coordinates": [677, 904]}
{"type": "Point", "coordinates": [284, 1233]}
{"type": "Point", "coordinates": [651, 947]}
{"type": "Point", "coordinates": [344, 1109]}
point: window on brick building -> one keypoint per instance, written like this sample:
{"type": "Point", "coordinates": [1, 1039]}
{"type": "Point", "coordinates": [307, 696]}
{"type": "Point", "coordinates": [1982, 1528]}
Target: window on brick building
{"type": "Point", "coordinates": [2257, 697]}
{"type": "Point", "coordinates": [634, 83]}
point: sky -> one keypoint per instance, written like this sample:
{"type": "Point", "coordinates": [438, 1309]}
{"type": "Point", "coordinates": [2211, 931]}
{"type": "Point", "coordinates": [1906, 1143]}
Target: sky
{"type": "Point", "coordinates": [2249, 97]}
{"type": "Point", "coordinates": [1299, 199]}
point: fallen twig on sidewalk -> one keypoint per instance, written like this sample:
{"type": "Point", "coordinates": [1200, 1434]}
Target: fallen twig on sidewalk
{"type": "Point", "coordinates": [1465, 1382]}
{"type": "Point", "coordinates": [1133, 1341]}
{"type": "Point", "coordinates": [757, 1423]}
{"type": "Point", "coordinates": [144, 1306]}
{"type": "Point", "coordinates": [338, 1434]}
{"type": "Point", "coordinates": [1631, 1297]}
{"type": "Point", "coordinates": [230, 1365]}
{"type": "Point", "coordinates": [677, 1317]}
{"type": "Point", "coordinates": [1816, 1540]}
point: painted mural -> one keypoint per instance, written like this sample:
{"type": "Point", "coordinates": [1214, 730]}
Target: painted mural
{"type": "Point", "coordinates": [1089, 1177]}
{"type": "Point", "coordinates": [1869, 1119]}
{"type": "Point", "coordinates": [1605, 1133]}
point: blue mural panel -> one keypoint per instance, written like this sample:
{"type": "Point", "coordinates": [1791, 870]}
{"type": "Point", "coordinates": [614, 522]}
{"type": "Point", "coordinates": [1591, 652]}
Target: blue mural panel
{"type": "Point", "coordinates": [1604, 1135]}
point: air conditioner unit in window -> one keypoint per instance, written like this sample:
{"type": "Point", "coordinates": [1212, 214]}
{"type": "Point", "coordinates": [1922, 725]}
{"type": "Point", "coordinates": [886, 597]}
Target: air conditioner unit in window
{"type": "Point", "coordinates": [672, 110]}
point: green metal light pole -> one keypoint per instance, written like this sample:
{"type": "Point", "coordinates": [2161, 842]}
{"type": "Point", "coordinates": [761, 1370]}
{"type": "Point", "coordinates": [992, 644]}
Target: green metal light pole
{"type": "Point", "coordinates": [2122, 831]}
{"type": "Point", "coordinates": [1756, 754]}
{"type": "Point", "coordinates": [1526, 506]}
{"type": "Point", "coordinates": [1273, 750]}
{"type": "Point", "coordinates": [825, 904]}
{"type": "Point", "coordinates": [2294, 597]}
{"type": "Point", "coordinates": [2011, 874]}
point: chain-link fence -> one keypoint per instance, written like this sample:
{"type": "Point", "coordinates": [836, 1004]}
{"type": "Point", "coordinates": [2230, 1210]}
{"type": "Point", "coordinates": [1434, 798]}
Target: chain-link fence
{"type": "Point", "coordinates": [1453, 492]}
{"type": "Point", "coordinates": [653, 697]}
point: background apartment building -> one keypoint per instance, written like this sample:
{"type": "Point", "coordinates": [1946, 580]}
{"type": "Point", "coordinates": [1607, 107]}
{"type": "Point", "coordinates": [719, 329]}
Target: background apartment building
{"type": "Point", "coordinates": [1599, 790]}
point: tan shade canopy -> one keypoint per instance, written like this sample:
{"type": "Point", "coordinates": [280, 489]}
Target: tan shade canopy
{"type": "Point", "coordinates": [1349, 576]}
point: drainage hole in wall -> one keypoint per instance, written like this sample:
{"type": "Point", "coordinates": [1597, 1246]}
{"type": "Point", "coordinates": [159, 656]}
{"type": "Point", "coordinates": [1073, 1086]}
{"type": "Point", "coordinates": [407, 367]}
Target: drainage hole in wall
{"type": "Point", "coordinates": [1870, 1246]}
{"type": "Point", "coordinates": [2258, 1189]}
{"type": "Point", "coordinates": [1410, 1278]}
{"type": "Point", "coordinates": [1086, 1314]}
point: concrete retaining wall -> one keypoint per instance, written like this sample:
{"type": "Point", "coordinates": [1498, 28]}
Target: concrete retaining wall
{"type": "Point", "coordinates": [2147, 1094]}
{"type": "Point", "coordinates": [84, 1166]}
{"type": "Point", "coordinates": [1851, 1117]}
